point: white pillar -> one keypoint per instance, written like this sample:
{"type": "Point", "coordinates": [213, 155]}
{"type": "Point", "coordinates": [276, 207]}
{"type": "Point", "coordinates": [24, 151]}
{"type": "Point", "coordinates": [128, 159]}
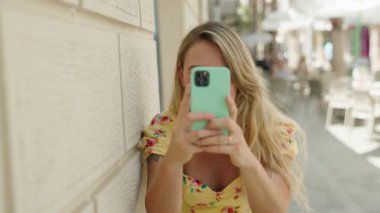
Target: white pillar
{"type": "Point", "coordinates": [170, 23]}
{"type": "Point", "coordinates": [319, 47]}
{"type": "Point", "coordinates": [175, 19]}
{"type": "Point", "coordinates": [293, 49]}
{"type": "Point", "coordinates": [308, 45]}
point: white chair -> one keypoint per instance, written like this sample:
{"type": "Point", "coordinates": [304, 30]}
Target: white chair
{"type": "Point", "coordinates": [361, 107]}
{"type": "Point", "coordinates": [338, 97]}
{"type": "Point", "coordinates": [374, 93]}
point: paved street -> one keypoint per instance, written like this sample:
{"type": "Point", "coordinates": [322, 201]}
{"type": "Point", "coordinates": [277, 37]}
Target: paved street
{"type": "Point", "coordinates": [340, 177]}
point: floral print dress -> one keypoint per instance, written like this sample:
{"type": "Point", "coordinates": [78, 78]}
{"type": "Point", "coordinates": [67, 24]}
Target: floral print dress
{"type": "Point", "coordinates": [197, 196]}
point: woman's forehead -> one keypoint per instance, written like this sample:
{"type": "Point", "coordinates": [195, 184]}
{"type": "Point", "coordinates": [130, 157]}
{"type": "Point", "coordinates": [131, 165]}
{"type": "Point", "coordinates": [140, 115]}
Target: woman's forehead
{"type": "Point", "coordinates": [204, 53]}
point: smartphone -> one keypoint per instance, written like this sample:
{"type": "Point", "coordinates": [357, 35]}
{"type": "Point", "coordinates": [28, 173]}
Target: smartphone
{"type": "Point", "coordinates": [209, 88]}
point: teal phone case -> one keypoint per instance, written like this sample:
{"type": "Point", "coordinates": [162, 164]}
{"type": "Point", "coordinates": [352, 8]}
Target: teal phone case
{"type": "Point", "coordinates": [211, 98]}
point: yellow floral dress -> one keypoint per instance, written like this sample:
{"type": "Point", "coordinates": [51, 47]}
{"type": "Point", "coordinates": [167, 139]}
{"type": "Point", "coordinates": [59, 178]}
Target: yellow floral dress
{"type": "Point", "coordinates": [197, 196]}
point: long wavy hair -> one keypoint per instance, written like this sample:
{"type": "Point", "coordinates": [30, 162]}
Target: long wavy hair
{"type": "Point", "coordinates": [257, 116]}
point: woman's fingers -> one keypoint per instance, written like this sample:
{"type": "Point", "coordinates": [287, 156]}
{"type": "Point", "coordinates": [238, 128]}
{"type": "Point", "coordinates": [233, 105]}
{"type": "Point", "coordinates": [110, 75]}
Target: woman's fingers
{"type": "Point", "coordinates": [221, 149]}
{"type": "Point", "coordinates": [197, 135]}
{"type": "Point", "coordinates": [232, 107]}
{"type": "Point", "coordinates": [189, 118]}
{"type": "Point", "coordinates": [192, 117]}
{"type": "Point", "coordinates": [219, 123]}
{"type": "Point", "coordinates": [196, 149]}
{"type": "Point", "coordinates": [216, 140]}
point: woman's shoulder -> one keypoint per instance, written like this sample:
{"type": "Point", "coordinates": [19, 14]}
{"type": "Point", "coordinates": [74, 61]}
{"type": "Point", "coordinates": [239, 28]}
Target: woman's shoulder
{"type": "Point", "coordinates": [156, 137]}
{"type": "Point", "coordinates": [286, 127]}
{"type": "Point", "coordinates": [164, 118]}
{"type": "Point", "coordinates": [288, 143]}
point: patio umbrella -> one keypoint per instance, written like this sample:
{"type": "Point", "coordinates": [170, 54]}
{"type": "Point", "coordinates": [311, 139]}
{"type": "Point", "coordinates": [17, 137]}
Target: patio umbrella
{"type": "Point", "coordinates": [285, 20]}
{"type": "Point", "coordinates": [333, 8]}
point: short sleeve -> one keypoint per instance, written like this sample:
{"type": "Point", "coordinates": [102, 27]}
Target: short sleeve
{"type": "Point", "coordinates": [288, 143]}
{"type": "Point", "coordinates": [156, 137]}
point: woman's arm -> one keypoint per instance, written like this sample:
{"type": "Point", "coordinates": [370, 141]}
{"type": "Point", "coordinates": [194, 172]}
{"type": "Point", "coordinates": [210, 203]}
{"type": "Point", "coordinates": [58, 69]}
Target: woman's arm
{"type": "Point", "coordinates": [265, 194]}
{"type": "Point", "coordinates": [164, 185]}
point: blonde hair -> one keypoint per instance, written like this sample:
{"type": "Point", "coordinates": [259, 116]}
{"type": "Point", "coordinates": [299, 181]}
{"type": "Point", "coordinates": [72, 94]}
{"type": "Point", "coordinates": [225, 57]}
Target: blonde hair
{"type": "Point", "coordinates": [257, 116]}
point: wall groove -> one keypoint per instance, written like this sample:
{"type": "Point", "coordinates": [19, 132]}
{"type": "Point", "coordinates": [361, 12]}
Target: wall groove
{"type": "Point", "coordinates": [140, 14]}
{"type": "Point", "coordinates": [122, 93]}
{"type": "Point", "coordinates": [6, 184]}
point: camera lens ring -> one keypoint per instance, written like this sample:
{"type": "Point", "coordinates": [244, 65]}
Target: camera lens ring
{"type": "Point", "coordinates": [202, 78]}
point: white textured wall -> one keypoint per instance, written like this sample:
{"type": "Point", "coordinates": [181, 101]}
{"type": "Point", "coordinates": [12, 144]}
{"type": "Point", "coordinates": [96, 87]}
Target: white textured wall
{"type": "Point", "coordinates": [78, 84]}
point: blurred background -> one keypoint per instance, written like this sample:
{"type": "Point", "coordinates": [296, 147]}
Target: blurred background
{"type": "Point", "coordinates": [80, 79]}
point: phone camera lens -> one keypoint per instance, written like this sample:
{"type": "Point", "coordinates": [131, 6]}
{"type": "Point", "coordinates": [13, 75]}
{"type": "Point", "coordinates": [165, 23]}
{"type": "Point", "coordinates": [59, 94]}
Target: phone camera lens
{"type": "Point", "coordinates": [202, 78]}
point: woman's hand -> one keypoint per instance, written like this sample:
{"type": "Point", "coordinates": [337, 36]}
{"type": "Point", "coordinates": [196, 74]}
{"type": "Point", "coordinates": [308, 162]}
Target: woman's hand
{"type": "Point", "coordinates": [234, 145]}
{"type": "Point", "coordinates": [182, 147]}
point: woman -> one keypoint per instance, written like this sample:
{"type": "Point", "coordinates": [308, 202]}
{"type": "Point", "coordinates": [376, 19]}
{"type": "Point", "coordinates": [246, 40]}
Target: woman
{"type": "Point", "coordinates": [302, 74]}
{"type": "Point", "coordinates": [302, 70]}
{"type": "Point", "coordinates": [204, 171]}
